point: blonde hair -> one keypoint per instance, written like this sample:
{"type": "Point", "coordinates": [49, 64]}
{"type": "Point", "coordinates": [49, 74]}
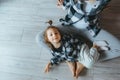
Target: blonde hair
{"type": "Point", "coordinates": [45, 33]}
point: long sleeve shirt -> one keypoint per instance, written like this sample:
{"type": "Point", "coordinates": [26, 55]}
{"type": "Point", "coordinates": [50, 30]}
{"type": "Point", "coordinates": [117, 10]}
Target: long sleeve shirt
{"type": "Point", "coordinates": [69, 49]}
{"type": "Point", "coordinates": [74, 49]}
{"type": "Point", "coordinates": [82, 9]}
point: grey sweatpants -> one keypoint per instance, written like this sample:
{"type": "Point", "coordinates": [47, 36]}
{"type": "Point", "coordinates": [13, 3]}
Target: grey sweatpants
{"type": "Point", "coordinates": [113, 42]}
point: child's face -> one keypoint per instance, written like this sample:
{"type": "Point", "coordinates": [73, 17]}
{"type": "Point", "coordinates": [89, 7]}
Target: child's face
{"type": "Point", "coordinates": [53, 35]}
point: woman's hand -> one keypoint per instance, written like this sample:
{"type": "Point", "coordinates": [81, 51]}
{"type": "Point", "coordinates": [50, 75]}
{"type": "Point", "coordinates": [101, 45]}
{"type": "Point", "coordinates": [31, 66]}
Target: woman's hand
{"type": "Point", "coordinates": [47, 68]}
{"type": "Point", "coordinates": [59, 2]}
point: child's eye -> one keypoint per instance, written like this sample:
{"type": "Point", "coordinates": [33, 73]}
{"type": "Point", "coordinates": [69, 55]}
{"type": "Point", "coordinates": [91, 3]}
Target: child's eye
{"type": "Point", "coordinates": [56, 33]}
{"type": "Point", "coordinates": [50, 34]}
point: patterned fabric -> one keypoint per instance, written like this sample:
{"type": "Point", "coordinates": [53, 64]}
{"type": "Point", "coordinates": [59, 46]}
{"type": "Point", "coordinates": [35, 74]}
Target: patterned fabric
{"type": "Point", "coordinates": [77, 10]}
{"type": "Point", "coordinates": [73, 49]}
{"type": "Point", "coordinates": [68, 51]}
{"type": "Point", "coordinates": [88, 56]}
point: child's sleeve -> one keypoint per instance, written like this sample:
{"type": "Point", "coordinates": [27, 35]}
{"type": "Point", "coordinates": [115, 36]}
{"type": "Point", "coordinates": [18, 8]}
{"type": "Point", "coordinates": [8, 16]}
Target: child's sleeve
{"type": "Point", "coordinates": [88, 56]}
{"type": "Point", "coordinates": [56, 59]}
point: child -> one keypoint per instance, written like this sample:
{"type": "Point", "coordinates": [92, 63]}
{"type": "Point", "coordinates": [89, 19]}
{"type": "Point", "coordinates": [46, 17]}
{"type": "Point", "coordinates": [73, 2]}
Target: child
{"type": "Point", "coordinates": [84, 15]}
{"type": "Point", "coordinates": [69, 48]}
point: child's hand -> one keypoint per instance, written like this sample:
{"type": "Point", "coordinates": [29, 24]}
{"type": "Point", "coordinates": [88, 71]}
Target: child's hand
{"type": "Point", "coordinates": [47, 68]}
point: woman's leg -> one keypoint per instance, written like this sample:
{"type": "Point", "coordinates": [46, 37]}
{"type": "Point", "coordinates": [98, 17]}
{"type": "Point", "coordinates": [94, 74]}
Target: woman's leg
{"type": "Point", "coordinates": [71, 65]}
{"type": "Point", "coordinates": [113, 43]}
{"type": "Point", "coordinates": [81, 28]}
{"type": "Point", "coordinates": [79, 68]}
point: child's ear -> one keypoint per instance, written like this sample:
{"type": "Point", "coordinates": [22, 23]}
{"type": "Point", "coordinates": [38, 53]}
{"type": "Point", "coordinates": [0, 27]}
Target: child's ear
{"type": "Point", "coordinates": [47, 39]}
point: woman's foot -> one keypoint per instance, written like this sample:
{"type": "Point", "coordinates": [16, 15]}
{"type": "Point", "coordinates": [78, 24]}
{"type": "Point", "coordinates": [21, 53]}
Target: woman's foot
{"type": "Point", "coordinates": [101, 43]}
{"type": "Point", "coordinates": [101, 48]}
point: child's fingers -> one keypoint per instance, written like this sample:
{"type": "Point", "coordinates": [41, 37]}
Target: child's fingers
{"type": "Point", "coordinates": [46, 70]}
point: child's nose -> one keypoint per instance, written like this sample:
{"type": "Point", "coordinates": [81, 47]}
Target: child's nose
{"type": "Point", "coordinates": [54, 35]}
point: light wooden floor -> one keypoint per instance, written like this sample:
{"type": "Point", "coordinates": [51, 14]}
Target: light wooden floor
{"type": "Point", "coordinates": [20, 56]}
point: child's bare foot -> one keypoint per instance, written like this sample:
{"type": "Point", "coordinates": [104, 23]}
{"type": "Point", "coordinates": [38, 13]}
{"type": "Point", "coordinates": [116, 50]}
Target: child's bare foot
{"type": "Point", "coordinates": [75, 78]}
{"type": "Point", "coordinates": [72, 67]}
{"type": "Point", "coordinates": [77, 72]}
{"type": "Point", "coordinates": [79, 68]}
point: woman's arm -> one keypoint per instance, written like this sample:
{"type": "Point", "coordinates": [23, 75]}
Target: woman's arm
{"type": "Point", "coordinates": [60, 2]}
{"type": "Point", "coordinates": [65, 4]}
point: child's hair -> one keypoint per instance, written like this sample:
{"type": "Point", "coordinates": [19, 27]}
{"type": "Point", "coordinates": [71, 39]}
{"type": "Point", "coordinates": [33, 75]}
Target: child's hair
{"type": "Point", "coordinates": [45, 35]}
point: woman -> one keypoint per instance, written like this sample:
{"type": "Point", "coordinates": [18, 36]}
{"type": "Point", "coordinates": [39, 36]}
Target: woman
{"type": "Point", "coordinates": [84, 15]}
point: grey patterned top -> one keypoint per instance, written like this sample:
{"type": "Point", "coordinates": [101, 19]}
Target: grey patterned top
{"type": "Point", "coordinates": [69, 50]}
{"type": "Point", "coordinates": [74, 49]}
